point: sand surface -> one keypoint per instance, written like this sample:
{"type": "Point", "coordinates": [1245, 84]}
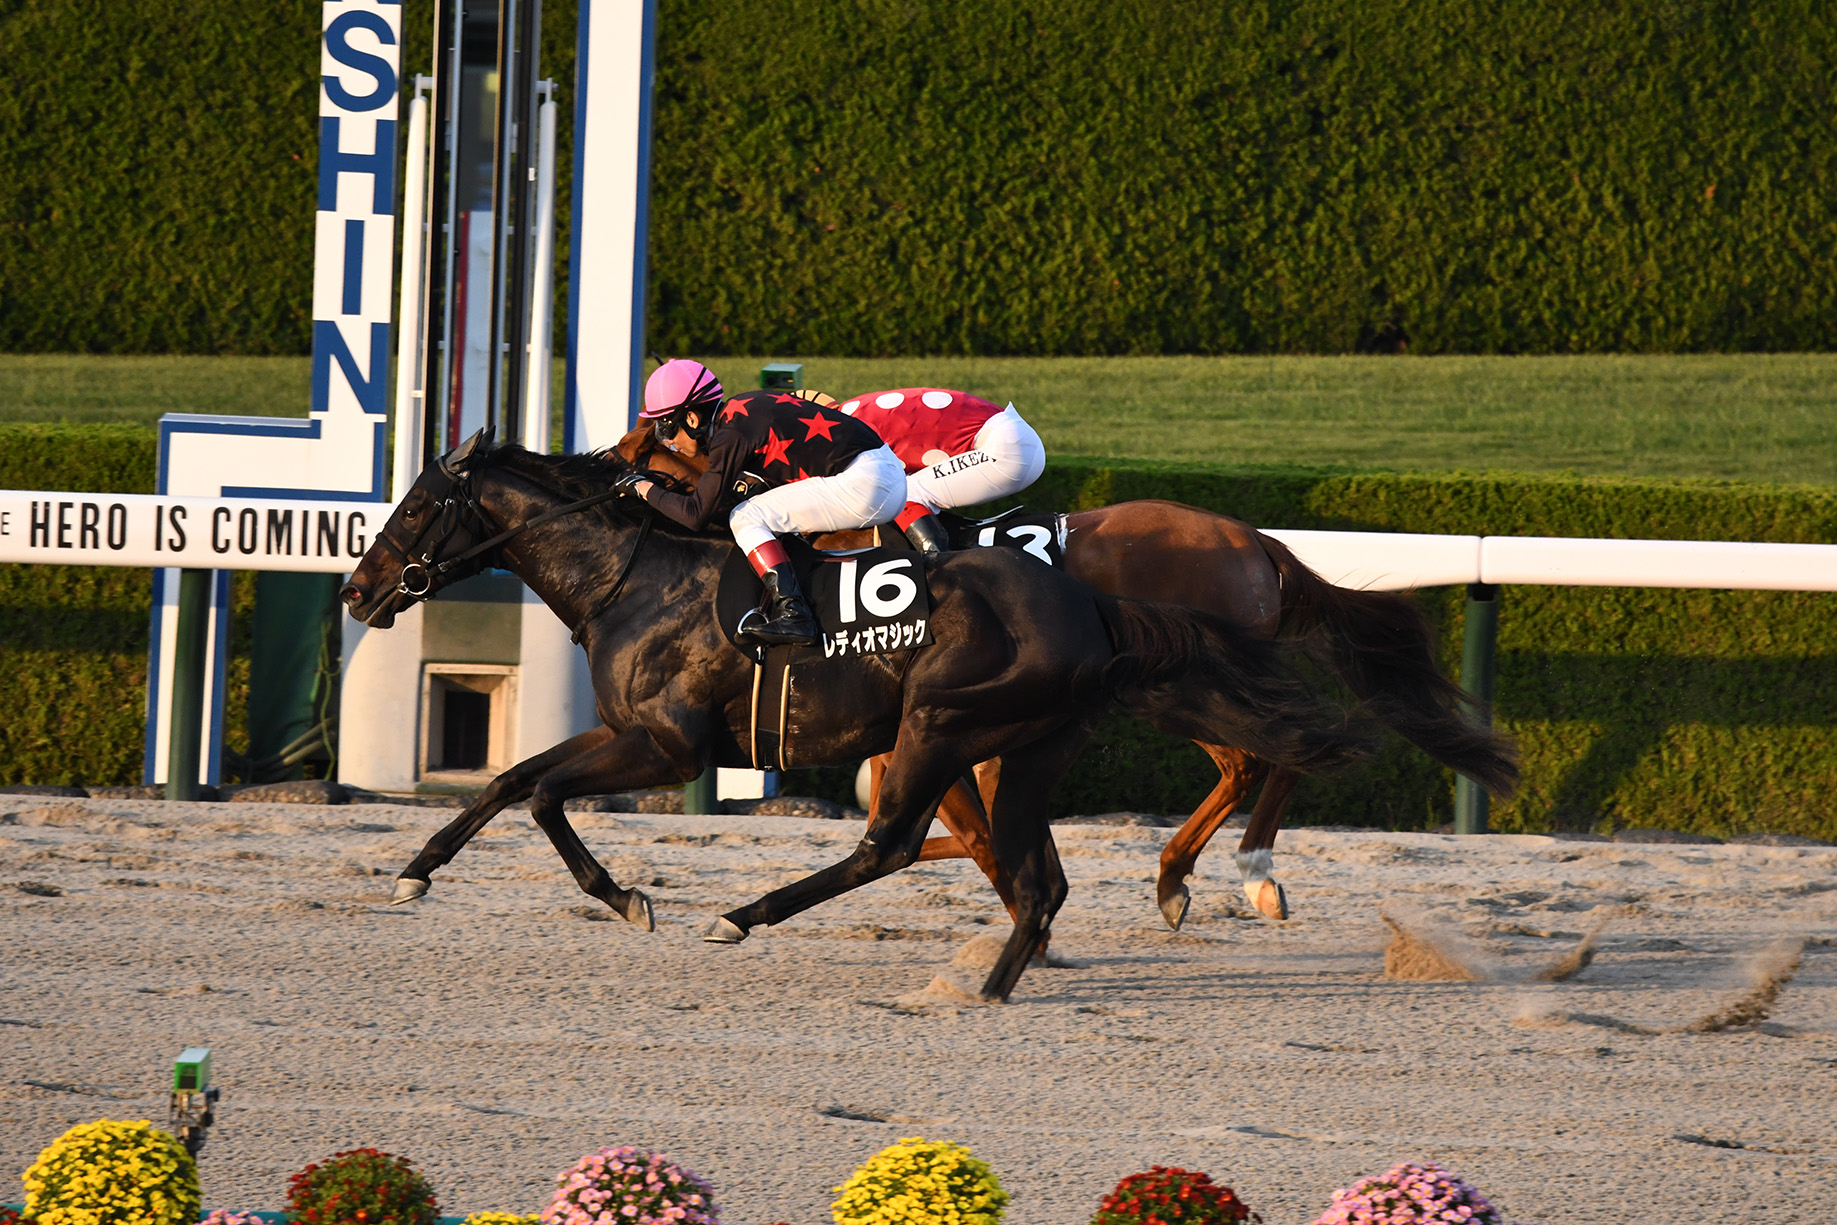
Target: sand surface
{"type": "Point", "coordinates": [499, 1028]}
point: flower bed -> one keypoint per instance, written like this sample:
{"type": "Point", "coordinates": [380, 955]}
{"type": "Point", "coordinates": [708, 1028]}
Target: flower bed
{"type": "Point", "coordinates": [128, 1173]}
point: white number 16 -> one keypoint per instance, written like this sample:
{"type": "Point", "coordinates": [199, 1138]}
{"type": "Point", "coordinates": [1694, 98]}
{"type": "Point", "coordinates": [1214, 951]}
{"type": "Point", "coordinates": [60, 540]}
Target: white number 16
{"type": "Point", "coordinates": [878, 579]}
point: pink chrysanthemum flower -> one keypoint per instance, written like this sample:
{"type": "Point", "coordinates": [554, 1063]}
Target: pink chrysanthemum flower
{"type": "Point", "coordinates": [630, 1186]}
{"type": "Point", "coordinates": [1411, 1194]}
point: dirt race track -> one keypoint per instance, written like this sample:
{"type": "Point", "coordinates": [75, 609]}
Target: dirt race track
{"type": "Point", "coordinates": [500, 1028]}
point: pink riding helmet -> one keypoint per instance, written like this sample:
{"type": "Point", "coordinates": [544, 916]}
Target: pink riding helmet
{"type": "Point", "coordinates": [676, 384]}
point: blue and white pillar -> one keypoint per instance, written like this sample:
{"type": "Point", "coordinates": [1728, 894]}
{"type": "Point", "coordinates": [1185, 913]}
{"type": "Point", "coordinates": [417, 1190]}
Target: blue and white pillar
{"type": "Point", "coordinates": [336, 452]}
{"type": "Point", "coordinates": [610, 224]}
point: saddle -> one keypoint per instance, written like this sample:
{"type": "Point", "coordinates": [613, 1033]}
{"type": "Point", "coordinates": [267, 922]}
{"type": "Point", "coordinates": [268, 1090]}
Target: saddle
{"type": "Point", "coordinates": [868, 602]}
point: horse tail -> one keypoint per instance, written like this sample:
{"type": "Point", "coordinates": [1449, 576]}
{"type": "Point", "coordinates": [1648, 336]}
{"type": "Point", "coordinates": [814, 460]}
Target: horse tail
{"type": "Point", "coordinates": [1381, 646]}
{"type": "Point", "coordinates": [1199, 676]}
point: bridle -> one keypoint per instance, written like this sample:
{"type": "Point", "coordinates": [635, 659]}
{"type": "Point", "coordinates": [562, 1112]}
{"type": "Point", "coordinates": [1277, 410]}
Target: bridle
{"type": "Point", "coordinates": [455, 507]}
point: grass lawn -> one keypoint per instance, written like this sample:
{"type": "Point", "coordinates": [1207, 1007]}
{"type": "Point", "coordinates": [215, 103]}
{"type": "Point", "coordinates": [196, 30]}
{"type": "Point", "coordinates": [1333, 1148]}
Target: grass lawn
{"type": "Point", "coordinates": [1747, 417]}
{"type": "Point", "coordinates": [59, 387]}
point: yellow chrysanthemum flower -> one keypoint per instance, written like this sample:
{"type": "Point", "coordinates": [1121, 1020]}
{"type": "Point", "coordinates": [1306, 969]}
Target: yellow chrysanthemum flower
{"type": "Point", "coordinates": [113, 1173]}
{"type": "Point", "coordinates": [921, 1182]}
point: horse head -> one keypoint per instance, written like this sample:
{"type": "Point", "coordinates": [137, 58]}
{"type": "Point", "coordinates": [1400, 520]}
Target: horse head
{"type": "Point", "coordinates": [641, 450]}
{"type": "Point", "coordinates": [419, 550]}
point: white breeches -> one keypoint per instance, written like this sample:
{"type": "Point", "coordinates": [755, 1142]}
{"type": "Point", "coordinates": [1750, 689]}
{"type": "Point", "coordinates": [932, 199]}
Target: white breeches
{"type": "Point", "coordinates": [1008, 457]}
{"type": "Point", "coordinates": [870, 490]}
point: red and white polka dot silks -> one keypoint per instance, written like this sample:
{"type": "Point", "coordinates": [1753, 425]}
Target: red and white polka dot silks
{"type": "Point", "coordinates": [923, 425]}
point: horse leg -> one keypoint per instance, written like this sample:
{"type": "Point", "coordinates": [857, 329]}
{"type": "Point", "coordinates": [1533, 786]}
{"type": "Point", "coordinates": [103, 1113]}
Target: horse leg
{"type": "Point", "coordinates": [630, 759]}
{"type": "Point", "coordinates": [876, 770]}
{"type": "Point", "coordinates": [1020, 815]}
{"type": "Point", "coordinates": [1255, 855]}
{"type": "Point", "coordinates": [914, 782]}
{"type": "Point", "coordinates": [1237, 773]}
{"type": "Point", "coordinates": [965, 814]}
{"type": "Point", "coordinates": [949, 846]}
{"type": "Point", "coordinates": [967, 820]}
{"type": "Point", "coordinates": [506, 789]}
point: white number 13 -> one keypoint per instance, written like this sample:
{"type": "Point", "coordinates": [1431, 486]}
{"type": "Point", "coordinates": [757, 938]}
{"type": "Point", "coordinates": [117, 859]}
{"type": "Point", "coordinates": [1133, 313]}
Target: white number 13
{"type": "Point", "coordinates": [1034, 536]}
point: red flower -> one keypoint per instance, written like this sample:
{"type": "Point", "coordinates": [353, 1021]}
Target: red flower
{"type": "Point", "coordinates": [1172, 1196]}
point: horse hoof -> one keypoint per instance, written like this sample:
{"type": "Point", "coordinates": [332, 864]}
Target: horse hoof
{"type": "Point", "coordinates": [1174, 907]}
{"type": "Point", "coordinates": [638, 911]}
{"type": "Point", "coordinates": [408, 889]}
{"type": "Point", "coordinates": [1268, 897]}
{"type": "Point", "coordinates": [721, 931]}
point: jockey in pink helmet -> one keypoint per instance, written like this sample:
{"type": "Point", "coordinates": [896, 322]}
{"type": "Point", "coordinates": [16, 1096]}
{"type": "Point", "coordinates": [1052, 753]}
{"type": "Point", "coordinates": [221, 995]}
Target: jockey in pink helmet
{"type": "Point", "coordinates": [958, 450]}
{"type": "Point", "coordinates": [823, 472]}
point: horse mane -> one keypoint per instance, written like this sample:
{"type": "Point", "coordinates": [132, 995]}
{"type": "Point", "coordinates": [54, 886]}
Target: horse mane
{"type": "Point", "coordinates": [573, 476]}
{"type": "Point", "coordinates": [582, 476]}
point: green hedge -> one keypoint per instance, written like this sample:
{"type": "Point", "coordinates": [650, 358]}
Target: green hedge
{"type": "Point", "coordinates": [73, 639]}
{"type": "Point", "coordinates": [1046, 176]}
{"type": "Point", "coordinates": [1082, 176]}
{"type": "Point", "coordinates": [1703, 710]}
{"type": "Point", "coordinates": [161, 180]}
{"type": "Point", "coordinates": [162, 171]}
{"type": "Point", "coordinates": [1709, 711]}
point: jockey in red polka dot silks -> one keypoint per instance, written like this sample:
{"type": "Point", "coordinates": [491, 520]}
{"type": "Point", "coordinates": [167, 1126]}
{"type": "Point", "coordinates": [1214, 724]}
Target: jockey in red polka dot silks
{"type": "Point", "coordinates": [822, 473]}
{"type": "Point", "coordinates": [957, 450]}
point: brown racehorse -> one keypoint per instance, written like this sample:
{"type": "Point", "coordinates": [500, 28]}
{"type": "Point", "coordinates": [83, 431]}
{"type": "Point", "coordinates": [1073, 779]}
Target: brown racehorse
{"type": "Point", "coordinates": [1377, 642]}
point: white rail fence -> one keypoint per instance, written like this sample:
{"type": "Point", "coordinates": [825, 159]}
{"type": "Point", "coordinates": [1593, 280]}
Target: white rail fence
{"type": "Point", "coordinates": [93, 529]}
{"type": "Point", "coordinates": [200, 534]}
{"type": "Point", "coordinates": [1397, 560]}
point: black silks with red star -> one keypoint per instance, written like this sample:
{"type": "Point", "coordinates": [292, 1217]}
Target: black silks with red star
{"type": "Point", "coordinates": [777, 436]}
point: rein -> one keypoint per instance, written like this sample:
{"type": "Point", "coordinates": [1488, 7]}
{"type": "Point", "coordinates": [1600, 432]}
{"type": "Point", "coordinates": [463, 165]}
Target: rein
{"type": "Point", "coordinates": [441, 568]}
{"type": "Point", "coordinates": [430, 570]}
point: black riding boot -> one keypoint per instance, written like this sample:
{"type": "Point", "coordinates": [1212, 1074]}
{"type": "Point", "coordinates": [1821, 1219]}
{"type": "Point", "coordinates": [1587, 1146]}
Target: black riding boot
{"type": "Point", "coordinates": [785, 618]}
{"type": "Point", "coordinates": [928, 535]}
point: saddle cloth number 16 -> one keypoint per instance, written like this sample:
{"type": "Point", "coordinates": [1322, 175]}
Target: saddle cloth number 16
{"type": "Point", "coordinates": [877, 608]}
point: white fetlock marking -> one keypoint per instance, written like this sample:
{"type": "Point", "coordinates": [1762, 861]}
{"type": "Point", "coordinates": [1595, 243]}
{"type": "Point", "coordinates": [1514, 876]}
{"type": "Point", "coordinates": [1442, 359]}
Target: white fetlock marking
{"type": "Point", "coordinates": [1259, 886]}
{"type": "Point", "coordinates": [1256, 865]}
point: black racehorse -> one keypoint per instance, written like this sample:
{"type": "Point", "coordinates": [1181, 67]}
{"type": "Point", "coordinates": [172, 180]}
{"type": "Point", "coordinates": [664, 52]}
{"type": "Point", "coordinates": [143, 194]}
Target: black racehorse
{"type": "Point", "coordinates": [1024, 660]}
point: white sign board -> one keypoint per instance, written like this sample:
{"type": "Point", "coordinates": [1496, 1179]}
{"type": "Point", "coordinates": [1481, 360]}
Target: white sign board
{"type": "Point", "coordinates": [126, 529]}
{"type": "Point", "coordinates": [336, 452]}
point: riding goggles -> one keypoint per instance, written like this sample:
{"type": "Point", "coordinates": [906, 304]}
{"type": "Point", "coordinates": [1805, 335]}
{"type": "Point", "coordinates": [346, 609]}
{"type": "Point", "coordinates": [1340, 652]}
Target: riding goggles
{"type": "Point", "coordinates": [667, 427]}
